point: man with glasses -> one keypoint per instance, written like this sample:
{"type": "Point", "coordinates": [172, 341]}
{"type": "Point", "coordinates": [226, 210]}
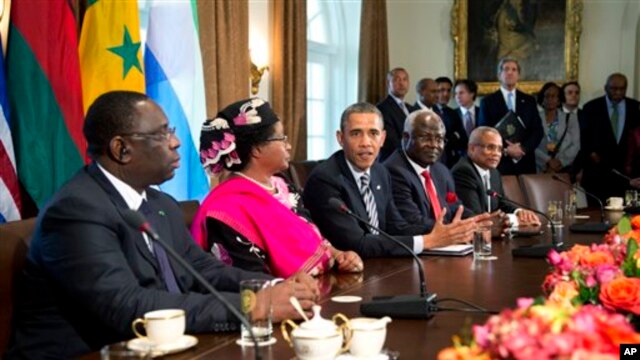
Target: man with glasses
{"type": "Point", "coordinates": [88, 274]}
{"type": "Point", "coordinates": [477, 173]}
{"type": "Point", "coordinates": [423, 189]}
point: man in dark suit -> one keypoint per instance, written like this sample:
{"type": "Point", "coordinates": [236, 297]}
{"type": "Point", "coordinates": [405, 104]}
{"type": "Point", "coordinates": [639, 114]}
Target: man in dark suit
{"type": "Point", "coordinates": [477, 173]}
{"type": "Point", "coordinates": [394, 109]}
{"type": "Point", "coordinates": [428, 95]}
{"type": "Point", "coordinates": [88, 274]}
{"type": "Point", "coordinates": [354, 176]}
{"type": "Point", "coordinates": [604, 148]}
{"type": "Point", "coordinates": [520, 156]}
{"type": "Point", "coordinates": [422, 186]}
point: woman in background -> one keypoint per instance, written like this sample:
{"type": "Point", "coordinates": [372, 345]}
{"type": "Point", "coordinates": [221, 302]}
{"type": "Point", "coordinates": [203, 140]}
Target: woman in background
{"type": "Point", "coordinates": [561, 143]}
{"type": "Point", "coordinates": [252, 216]}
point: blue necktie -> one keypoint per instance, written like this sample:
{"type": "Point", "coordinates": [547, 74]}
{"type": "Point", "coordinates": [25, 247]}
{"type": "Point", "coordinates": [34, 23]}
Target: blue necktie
{"type": "Point", "coordinates": [165, 267]}
{"type": "Point", "coordinates": [510, 101]}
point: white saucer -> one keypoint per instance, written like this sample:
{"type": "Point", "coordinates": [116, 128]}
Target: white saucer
{"type": "Point", "coordinates": [143, 344]}
{"type": "Point", "coordinates": [348, 356]}
{"type": "Point", "coordinates": [613, 208]}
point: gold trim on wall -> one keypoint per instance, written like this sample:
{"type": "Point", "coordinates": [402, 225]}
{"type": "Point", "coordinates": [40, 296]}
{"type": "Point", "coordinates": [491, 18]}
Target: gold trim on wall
{"type": "Point", "coordinates": [459, 34]}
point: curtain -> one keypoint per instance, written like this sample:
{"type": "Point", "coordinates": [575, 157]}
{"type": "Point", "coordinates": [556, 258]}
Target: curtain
{"type": "Point", "coordinates": [224, 42]}
{"type": "Point", "coordinates": [289, 70]}
{"type": "Point", "coordinates": [373, 62]}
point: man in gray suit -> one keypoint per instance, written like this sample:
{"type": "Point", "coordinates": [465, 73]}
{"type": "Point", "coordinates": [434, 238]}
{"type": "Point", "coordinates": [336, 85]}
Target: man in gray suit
{"type": "Point", "coordinates": [88, 274]}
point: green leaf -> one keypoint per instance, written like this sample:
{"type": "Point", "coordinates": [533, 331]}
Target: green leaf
{"type": "Point", "coordinates": [624, 225]}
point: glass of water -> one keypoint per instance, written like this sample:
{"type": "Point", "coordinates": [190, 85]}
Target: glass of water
{"type": "Point", "coordinates": [257, 309]}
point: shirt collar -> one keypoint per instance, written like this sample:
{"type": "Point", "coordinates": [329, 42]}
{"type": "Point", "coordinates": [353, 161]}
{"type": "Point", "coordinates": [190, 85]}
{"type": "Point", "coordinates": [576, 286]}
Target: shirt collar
{"type": "Point", "coordinates": [129, 194]}
{"type": "Point", "coordinates": [564, 109]}
{"type": "Point", "coordinates": [506, 92]}
{"type": "Point", "coordinates": [481, 171]}
{"type": "Point", "coordinates": [397, 99]}
{"type": "Point", "coordinates": [610, 103]}
{"type": "Point", "coordinates": [417, 168]}
{"type": "Point", "coordinates": [357, 174]}
{"type": "Point", "coordinates": [423, 106]}
{"type": "Point", "coordinates": [465, 110]}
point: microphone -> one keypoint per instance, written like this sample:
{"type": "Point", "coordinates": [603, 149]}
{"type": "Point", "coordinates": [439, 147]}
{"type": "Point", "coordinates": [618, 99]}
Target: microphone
{"type": "Point", "coordinates": [537, 251]}
{"type": "Point", "coordinates": [615, 171]}
{"type": "Point", "coordinates": [138, 221]}
{"type": "Point", "coordinates": [589, 228]}
{"type": "Point", "coordinates": [401, 306]}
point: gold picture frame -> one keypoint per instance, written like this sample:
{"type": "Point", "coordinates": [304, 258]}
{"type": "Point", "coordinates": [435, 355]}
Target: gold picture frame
{"type": "Point", "coordinates": [544, 54]}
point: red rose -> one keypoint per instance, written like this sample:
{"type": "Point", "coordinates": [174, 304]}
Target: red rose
{"type": "Point", "coordinates": [451, 197]}
{"type": "Point", "coordinates": [622, 293]}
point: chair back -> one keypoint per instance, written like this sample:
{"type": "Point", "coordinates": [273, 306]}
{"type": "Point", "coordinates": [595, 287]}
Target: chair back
{"type": "Point", "coordinates": [300, 171]}
{"type": "Point", "coordinates": [541, 188]}
{"type": "Point", "coordinates": [513, 189]}
{"type": "Point", "coordinates": [14, 243]}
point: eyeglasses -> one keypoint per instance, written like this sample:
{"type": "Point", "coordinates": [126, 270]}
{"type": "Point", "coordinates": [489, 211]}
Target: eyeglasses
{"type": "Point", "coordinates": [491, 147]}
{"type": "Point", "coordinates": [424, 139]}
{"type": "Point", "coordinates": [164, 134]}
{"type": "Point", "coordinates": [283, 138]}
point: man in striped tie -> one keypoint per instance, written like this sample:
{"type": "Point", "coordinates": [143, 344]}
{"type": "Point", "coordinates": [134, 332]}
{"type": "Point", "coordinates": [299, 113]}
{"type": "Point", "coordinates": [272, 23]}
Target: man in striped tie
{"type": "Point", "coordinates": [354, 176]}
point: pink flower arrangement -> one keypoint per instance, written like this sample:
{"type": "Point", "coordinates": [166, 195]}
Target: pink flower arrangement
{"type": "Point", "coordinates": [607, 274]}
{"type": "Point", "coordinates": [547, 330]}
{"type": "Point", "coordinates": [592, 293]}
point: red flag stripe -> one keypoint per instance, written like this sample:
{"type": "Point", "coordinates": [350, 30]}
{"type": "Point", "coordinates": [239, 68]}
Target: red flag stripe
{"type": "Point", "coordinates": [9, 176]}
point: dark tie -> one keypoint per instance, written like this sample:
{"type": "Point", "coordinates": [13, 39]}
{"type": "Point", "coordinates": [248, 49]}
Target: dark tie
{"type": "Point", "coordinates": [614, 120]}
{"type": "Point", "coordinates": [165, 267]}
{"type": "Point", "coordinates": [468, 123]}
{"type": "Point", "coordinates": [369, 201]}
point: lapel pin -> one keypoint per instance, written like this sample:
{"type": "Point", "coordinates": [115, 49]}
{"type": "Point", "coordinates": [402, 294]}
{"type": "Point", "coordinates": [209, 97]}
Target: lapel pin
{"type": "Point", "coordinates": [378, 187]}
{"type": "Point", "coordinates": [161, 213]}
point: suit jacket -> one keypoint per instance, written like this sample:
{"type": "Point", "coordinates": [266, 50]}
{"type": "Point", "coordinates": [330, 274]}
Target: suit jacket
{"type": "Point", "coordinates": [393, 117]}
{"type": "Point", "coordinates": [599, 139]}
{"type": "Point", "coordinates": [476, 112]}
{"type": "Point", "coordinates": [410, 196]}
{"type": "Point", "coordinates": [457, 138]}
{"type": "Point", "coordinates": [88, 274]}
{"type": "Point", "coordinates": [333, 178]}
{"type": "Point", "coordinates": [471, 189]}
{"type": "Point", "coordinates": [493, 108]}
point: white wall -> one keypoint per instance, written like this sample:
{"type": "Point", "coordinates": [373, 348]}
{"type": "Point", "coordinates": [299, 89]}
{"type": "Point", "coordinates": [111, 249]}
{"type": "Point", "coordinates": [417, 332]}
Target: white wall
{"type": "Point", "coordinates": [260, 40]}
{"type": "Point", "coordinates": [420, 41]}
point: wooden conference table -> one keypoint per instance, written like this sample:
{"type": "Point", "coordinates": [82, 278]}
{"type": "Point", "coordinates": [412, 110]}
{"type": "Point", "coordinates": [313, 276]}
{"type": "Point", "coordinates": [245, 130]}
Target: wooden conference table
{"type": "Point", "coordinates": [493, 285]}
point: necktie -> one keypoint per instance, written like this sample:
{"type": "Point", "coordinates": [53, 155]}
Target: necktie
{"type": "Point", "coordinates": [487, 186]}
{"type": "Point", "coordinates": [614, 120]}
{"type": "Point", "coordinates": [468, 123]}
{"type": "Point", "coordinates": [432, 194]}
{"type": "Point", "coordinates": [165, 267]}
{"type": "Point", "coordinates": [369, 201]}
{"type": "Point", "coordinates": [404, 108]}
{"type": "Point", "coordinates": [510, 101]}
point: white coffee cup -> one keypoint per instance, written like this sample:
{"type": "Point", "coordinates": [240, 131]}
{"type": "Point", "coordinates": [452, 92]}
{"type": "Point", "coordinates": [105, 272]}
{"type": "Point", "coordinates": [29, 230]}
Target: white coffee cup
{"type": "Point", "coordinates": [368, 336]}
{"type": "Point", "coordinates": [161, 326]}
{"type": "Point", "coordinates": [615, 202]}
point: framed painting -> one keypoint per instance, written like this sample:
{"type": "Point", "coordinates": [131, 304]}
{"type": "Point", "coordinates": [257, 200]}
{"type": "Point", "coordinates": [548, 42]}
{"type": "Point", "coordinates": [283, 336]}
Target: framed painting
{"type": "Point", "coordinates": [543, 35]}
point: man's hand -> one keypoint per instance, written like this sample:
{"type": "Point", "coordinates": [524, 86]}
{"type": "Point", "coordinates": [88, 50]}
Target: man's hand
{"type": "Point", "coordinates": [527, 218]}
{"type": "Point", "coordinates": [349, 261]}
{"type": "Point", "coordinates": [300, 285]}
{"type": "Point", "coordinates": [635, 183]}
{"type": "Point", "coordinates": [457, 232]}
{"type": "Point", "coordinates": [514, 150]}
{"type": "Point", "coordinates": [499, 223]}
{"type": "Point", "coordinates": [554, 165]}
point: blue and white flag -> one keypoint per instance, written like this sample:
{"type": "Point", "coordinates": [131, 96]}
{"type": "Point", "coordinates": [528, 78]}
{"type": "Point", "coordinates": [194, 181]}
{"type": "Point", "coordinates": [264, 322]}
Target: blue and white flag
{"type": "Point", "coordinates": [174, 79]}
